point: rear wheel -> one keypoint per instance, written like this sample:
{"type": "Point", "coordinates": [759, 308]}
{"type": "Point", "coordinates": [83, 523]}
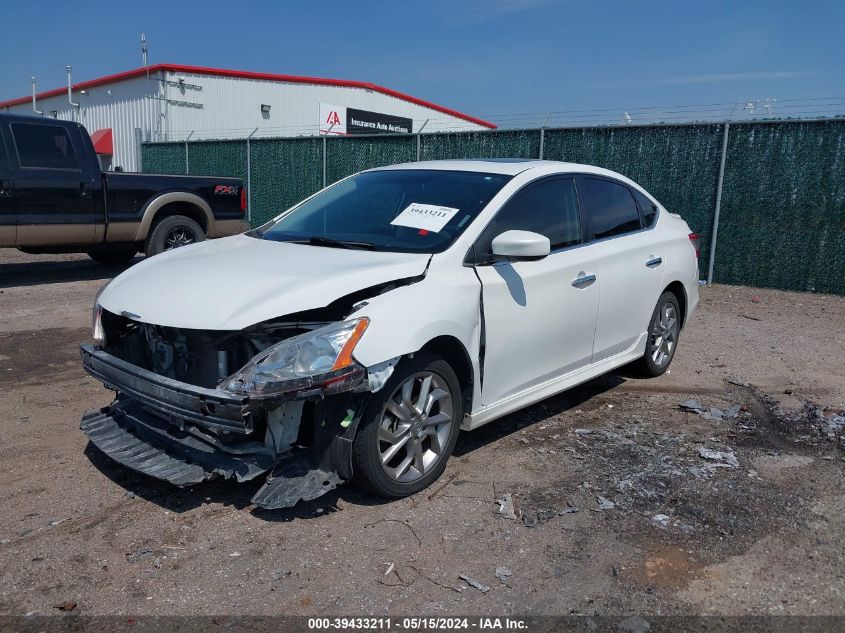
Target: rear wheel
{"type": "Point", "coordinates": [116, 256]}
{"type": "Point", "coordinates": [172, 232]}
{"type": "Point", "coordinates": [409, 428]}
{"type": "Point", "coordinates": [663, 331]}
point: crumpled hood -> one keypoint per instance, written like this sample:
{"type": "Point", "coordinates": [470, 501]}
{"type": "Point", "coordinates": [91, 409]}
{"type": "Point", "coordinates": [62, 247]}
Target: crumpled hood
{"type": "Point", "coordinates": [234, 282]}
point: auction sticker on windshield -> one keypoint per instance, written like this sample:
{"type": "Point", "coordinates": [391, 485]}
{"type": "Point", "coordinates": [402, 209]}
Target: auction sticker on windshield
{"type": "Point", "coordinates": [429, 217]}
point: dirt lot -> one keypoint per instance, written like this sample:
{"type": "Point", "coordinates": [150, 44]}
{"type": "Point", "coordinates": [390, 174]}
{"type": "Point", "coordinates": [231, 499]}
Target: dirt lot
{"type": "Point", "coordinates": [756, 528]}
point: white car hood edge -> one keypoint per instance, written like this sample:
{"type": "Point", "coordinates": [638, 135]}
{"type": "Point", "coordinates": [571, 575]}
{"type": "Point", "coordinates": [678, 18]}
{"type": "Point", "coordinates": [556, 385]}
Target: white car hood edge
{"type": "Point", "coordinates": [235, 282]}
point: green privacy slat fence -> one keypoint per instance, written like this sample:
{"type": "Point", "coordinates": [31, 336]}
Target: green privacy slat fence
{"type": "Point", "coordinates": [782, 220]}
{"type": "Point", "coordinates": [782, 223]}
{"type": "Point", "coordinates": [284, 171]}
{"type": "Point", "coordinates": [345, 156]}
{"type": "Point", "coordinates": [520, 144]}
{"type": "Point", "coordinates": [678, 165]}
{"type": "Point", "coordinates": [163, 158]}
{"type": "Point", "coordinates": [217, 158]}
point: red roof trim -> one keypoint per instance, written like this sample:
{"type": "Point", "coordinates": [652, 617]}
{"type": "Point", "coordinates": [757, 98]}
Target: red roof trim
{"type": "Point", "coordinates": [245, 74]}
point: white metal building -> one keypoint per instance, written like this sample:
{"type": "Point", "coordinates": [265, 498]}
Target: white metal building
{"type": "Point", "coordinates": [171, 102]}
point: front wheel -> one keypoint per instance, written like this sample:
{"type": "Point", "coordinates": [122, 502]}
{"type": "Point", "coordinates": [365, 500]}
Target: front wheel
{"type": "Point", "coordinates": [663, 331]}
{"type": "Point", "coordinates": [172, 232]}
{"type": "Point", "coordinates": [409, 428]}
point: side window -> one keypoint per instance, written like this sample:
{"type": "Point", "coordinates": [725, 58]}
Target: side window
{"type": "Point", "coordinates": [648, 208]}
{"type": "Point", "coordinates": [610, 207]}
{"type": "Point", "coordinates": [549, 208]}
{"type": "Point", "coordinates": [45, 146]}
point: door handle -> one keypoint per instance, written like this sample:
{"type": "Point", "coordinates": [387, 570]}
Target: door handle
{"type": "Point", "coordinates": [85, 190]}
{"type": "Point", "coordinates": [5, 188]}
{"type": "Point", "coordinates": [654, 262]}
{"type": "Point", "coordinates": [583, 280]}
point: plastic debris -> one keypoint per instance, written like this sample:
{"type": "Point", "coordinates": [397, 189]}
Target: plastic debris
{"type": "Point", "coordinates": [604, 503]}
{"type": "Point", "coordinates": [503, 573]}
{"type": "Point", "coordinates": [691, 405]}
{"type": "Point", "coordinates": [714, 414]}
{"type": "Point", "coordinates": [661, 520]}
{"type": "Point", "coordinates": [725, 458]}
{"type": "Point", "coordinates": [472, 582]}
{"type": "Point", "coordinates": [506, 507]}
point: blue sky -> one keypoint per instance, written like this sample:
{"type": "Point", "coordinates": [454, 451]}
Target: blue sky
{"type": "Point", "coordinates": [484, 57]}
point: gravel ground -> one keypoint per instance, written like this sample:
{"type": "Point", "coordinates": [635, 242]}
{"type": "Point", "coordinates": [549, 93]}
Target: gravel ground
{"type": "Point", "coordinates": [622, 501]}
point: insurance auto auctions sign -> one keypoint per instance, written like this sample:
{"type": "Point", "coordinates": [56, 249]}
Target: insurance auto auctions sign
{"type": "Point", "coordinates": [342, 120]}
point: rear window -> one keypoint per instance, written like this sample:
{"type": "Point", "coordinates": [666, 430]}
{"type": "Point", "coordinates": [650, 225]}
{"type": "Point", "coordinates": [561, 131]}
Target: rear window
{"type": "Point", "coordinates": [610, 207]}
{"type": "Point", "coordinates": [44, 146]}
{"type": "Point", "coordinates": [648, 208]}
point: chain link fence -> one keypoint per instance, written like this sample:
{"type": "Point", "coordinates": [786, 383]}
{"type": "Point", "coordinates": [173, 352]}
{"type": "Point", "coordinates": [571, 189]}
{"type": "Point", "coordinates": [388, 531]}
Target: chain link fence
{"type": "Point", "coordinates": [768, 196]}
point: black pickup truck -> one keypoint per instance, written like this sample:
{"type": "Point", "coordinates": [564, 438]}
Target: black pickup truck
{"type": "Point", "coordinates": [54, 198]}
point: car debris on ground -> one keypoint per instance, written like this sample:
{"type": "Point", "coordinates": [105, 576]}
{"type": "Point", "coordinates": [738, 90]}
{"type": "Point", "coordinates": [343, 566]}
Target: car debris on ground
{"type": "Point", "coordinates": [503, 574]}
{"type": "Point", "coordinates": [507, 507]}
{"type": "Point", "coordinates": [712, 413]}
{"type": "Point", "coordinates": [725, 458]}
{"type": "Point", "coordinates": [476, 584]}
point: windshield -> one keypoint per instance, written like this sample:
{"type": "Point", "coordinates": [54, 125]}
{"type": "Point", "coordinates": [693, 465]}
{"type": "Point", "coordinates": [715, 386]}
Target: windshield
{"type": "Point", "coordinates": [402, 210]}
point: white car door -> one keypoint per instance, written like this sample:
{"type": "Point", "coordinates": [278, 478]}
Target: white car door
{"type": "Point", "coordinates": [539, 316]}
{"type": "Point", "coordinates": [630, 264]}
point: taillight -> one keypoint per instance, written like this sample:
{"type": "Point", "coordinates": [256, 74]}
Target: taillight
{"type": "Point", "coordinates": [695, 238]}
{"type": "Point", "coordinates": [243, 199]}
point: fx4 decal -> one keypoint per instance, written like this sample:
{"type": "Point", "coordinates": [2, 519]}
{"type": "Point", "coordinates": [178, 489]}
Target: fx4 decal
{"type": "Point", "coordinates": [226, 190]}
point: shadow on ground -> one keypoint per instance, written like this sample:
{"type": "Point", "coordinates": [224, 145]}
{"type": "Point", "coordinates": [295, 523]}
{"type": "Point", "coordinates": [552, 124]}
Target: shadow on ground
{"type": "Point", "coordinates": [56, 271]}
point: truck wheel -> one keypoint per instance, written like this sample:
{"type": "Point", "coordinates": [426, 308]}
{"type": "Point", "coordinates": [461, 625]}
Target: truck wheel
{"type": "Point", "coordinates": [117, 256]}
{"type": "Point", "coordinates": [172, 232]}
{"type": "Point", "coordinates": [409, 428]}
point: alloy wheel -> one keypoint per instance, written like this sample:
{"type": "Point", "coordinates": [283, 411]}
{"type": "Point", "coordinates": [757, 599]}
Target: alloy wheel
{"type": "Point", "coordinates": [414, 427]}
{"type": "Point", "coordinates": [178, 236]}
{"type": "Point", "coordinates": [664, 335]}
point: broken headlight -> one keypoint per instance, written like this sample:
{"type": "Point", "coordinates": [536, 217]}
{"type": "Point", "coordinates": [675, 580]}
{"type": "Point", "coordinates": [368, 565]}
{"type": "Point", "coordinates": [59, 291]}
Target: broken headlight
{"type": "Point", "coordinates": [321, 359]}
{"type": "Point", "coordinates": [97, 331]}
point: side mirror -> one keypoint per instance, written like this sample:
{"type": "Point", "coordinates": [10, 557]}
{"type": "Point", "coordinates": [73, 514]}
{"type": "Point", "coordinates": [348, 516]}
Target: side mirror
{"type": "Point", "coordinates": [521, 245]}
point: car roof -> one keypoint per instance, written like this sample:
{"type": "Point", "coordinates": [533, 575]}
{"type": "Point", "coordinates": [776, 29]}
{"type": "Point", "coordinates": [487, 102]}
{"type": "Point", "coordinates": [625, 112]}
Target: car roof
{"type": "Point", "coordinates": [506, 166]}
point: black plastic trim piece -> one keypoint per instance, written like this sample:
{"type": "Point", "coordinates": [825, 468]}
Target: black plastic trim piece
{"type": "Point", "coordinates": [206, 407]}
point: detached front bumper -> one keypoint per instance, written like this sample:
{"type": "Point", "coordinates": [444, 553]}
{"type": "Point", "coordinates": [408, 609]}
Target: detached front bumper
{"type": "Point", "coordinates": [139, 440]}
{"type": "Point", "coordinates": [179, 402]}
{"type": "Point", "coordinates": [184, 434]}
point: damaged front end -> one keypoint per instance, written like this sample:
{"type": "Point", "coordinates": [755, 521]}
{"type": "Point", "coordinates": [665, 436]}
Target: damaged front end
{"type": "Point", "coordinates": [185, 414]}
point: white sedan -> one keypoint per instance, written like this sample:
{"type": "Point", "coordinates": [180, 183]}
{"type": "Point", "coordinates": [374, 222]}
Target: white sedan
{"type": "Point", "coordinates": [354, 335]}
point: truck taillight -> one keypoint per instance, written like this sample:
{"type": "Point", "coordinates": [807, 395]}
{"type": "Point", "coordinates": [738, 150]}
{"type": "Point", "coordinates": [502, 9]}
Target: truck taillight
{"type": "Point", "coordinates": [695, 238]}
{"type": "Point", "coordinates": [243, 199]}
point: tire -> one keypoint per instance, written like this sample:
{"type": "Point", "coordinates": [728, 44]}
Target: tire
{"type": "Point", "coordinates": [172, 232]}
{"type": "Point", "coordinates": [113, 256]}
{"type": "Point", "coordinates": [436, 441]}
{"type": "Point", "coordinates": [663, 332]}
